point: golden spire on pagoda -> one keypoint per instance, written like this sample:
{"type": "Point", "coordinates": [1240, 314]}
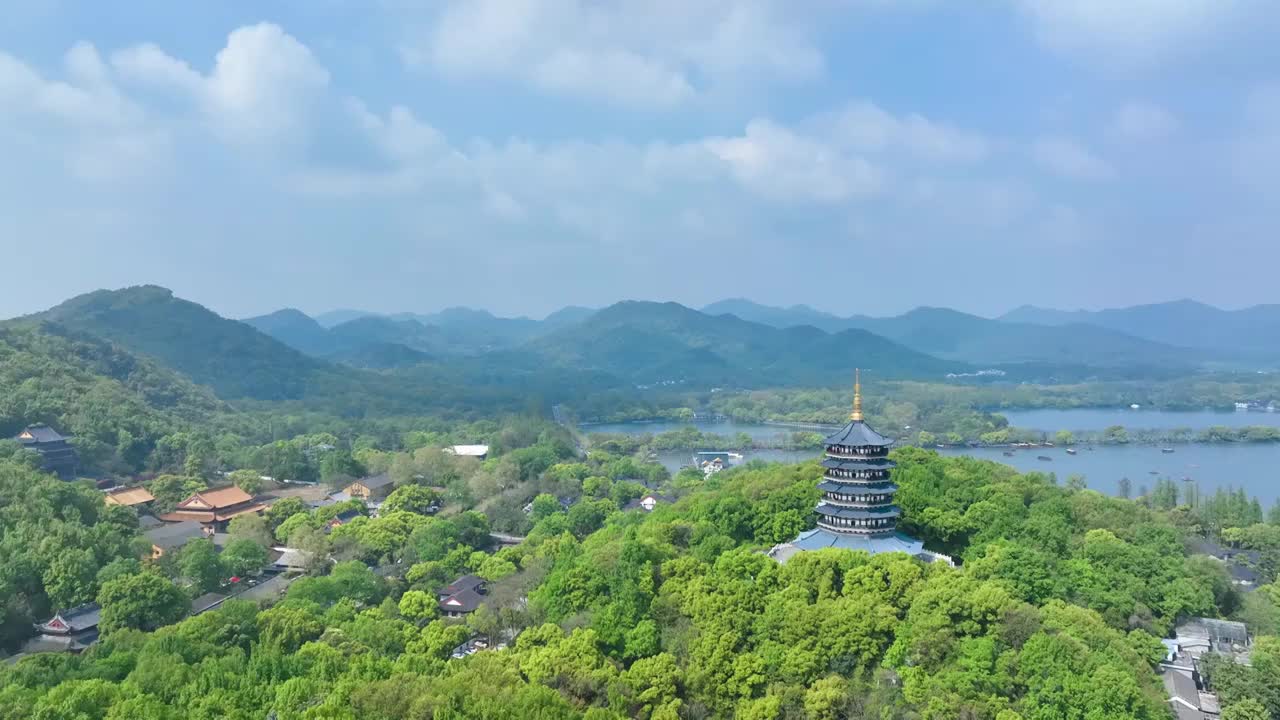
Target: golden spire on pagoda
{"type": "Point", "coordinates": [856, 415]}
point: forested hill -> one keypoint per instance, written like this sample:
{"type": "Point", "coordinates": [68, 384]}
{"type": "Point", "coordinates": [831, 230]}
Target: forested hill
{"type": "Point", "coordinates": [454, 331]}
{"type": "Point", "coordinates": [117, 405]}
{"type": "Point", "coordinates": [649, 342]}
{"type": "Point", "coordinates": [239, 363]}
{"type": "Point", "coordinates": [1055, 612]}
{"type": "Point", "coordinates": [234, 359]}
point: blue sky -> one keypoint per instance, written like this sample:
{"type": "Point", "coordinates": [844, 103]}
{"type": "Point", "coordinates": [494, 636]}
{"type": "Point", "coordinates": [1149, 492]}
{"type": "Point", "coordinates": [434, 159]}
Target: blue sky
{"type": "Point", "coordinates": [520, 155]}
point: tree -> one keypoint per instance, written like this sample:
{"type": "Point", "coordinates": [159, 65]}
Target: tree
{"type": "Point", "coordinates": [243, 556]}
{"type": "Point", "coordinates": [251, 526]}
{"type": "Point", "coordinates": [286, 529]}
{"type": "Point", "coordinates": [141, 602]}
{"type": "Point", "coordinates": [544, 505]}
{"type": "Point", "coordinates": [71, 579]}
{"type": "Point", "coordinates": [412, 498]}
{"type": "Point", "coordinates": [1115, 434]}
{"type": "Point", "coordinates": [1125, 486]}
{"type": "Point", "coordinates": [1246, 709]}
{"type": "Point", "coordinates": [283, 509]}
{"type": "Point", "coordinates": [249, 481]}
{"type": "Point", "coordinates": [1064, 437]}
{"type": "Point", "coordinates": [200, 563]}
{"type": "Point", "coordinates": [338, 468]}
{"type": "Point", "coordinates": [417, 606]}
{"type": "Point", "coordinates": [169, 490]}
{"type": "Point", "coordinates": [118, 568]}
{"type": "Point", "coordinates": [927, 439]}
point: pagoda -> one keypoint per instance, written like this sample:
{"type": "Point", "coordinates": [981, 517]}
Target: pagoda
{"type": "Point", "coordinates": [857, 509]}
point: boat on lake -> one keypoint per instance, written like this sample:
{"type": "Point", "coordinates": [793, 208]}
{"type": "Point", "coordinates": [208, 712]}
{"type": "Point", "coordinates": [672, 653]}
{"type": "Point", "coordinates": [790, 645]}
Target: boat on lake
{"type": "Point", "coordinates": [1071, 451]}
{"type": "Point", "coordinates": [1008, 453]}
{"type": "Point", "coordinates": [1046, 458]}
{"type": "Point", "coordinates": [1166, 451]}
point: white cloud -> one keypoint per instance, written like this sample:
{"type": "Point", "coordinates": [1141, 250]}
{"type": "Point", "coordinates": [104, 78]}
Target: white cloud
{"type": "Point", "coordinates": [1134, 32]}
{"type": "Point", "coordinates": [261, 88]}
{"type": "Point", "coordinates": [775, 162]}
{"type": "Point", "coordinates": [866, 127]}
{"type": "Point", "coordinates": [645, 55]}
{"type": "Point", "coordinates": [97, 132]}
{"type": "Point", "coordinates": [1066, 157]}
{"type": "Point", "coordinates": [616, 75]}
{"type": "Point", "coordinates": [1142, 122]}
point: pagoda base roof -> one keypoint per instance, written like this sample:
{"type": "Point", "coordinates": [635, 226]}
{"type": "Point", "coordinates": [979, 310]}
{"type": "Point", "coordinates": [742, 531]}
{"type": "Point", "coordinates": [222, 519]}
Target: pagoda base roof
{"type": "Point", "coordinates": [820, 538]}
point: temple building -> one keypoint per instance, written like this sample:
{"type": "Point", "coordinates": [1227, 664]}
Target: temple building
{"type": "Point", "coordinates": [214, 507]}
{"type": "Point", "coordinates": [857, 510]}
{"type": "Point", "coordinates": [57, 456]}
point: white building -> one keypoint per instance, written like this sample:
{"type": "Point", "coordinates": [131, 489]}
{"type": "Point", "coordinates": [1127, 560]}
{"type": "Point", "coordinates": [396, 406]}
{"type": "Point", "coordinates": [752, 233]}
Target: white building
{"type": "Point", "coordinates": [480, 452]}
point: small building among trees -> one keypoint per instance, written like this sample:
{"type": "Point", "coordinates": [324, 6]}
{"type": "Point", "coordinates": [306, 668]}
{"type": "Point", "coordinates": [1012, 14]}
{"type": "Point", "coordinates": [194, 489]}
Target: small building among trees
{"type": "Point", "coordinates": [57, 456]}
{"type": "Point", "coordinates": [372, 488]}
{"type": "Point", "coordinates": [129, 497]}
{"type": "Point", "coordinates": [461, 597]}
{"type": "Point", "coordinates": [173, 536]}
{"type": "Point", "coordinates": [479, 452]}
{"type": "Point", "coordinates": [70, 630]}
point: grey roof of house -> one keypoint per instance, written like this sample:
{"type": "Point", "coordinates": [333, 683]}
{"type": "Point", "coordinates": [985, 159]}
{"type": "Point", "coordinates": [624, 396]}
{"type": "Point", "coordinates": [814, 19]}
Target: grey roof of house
{"type": "Point", "coordinates": [867, 464]}
{"type": "Point", "coordinates": [373, 482]}
{"type": "Point", "coordinates": [78, 619]}
{"type": "Point", "coordinates": [466, 582]}
{"type": "Point", "coordinates": [40, 433]}
{"type": "Point", "coordinates": [1184, 698]}
{"type": "Point", "coordinates": [889, 511]}
{"type": "Point", "coordinates": [857, 434]}
{"type": "Point", "coordinates": [171, 535]}
{"type": "Point", "coordinates": [148, 522]}
{"type": "Point", "coordinates": [462, 601]}
{"type": "Point", "coordinates": [1244, 574]}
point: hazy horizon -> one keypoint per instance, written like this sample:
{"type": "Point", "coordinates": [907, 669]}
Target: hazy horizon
{"type": "Point", "coordinates": [524, 155]}
{"type": "Point", "coordinates": [696, 306]}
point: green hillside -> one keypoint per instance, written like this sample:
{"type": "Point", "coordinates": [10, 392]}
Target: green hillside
{"type": "Point", "coordinates": [229, 356]}
{"type": "Point", "coordinates": [116, 404]}
{"type": "Point", "coordinates": [295, 329]}
{"type": "Point", "coordinates": [649, 342]}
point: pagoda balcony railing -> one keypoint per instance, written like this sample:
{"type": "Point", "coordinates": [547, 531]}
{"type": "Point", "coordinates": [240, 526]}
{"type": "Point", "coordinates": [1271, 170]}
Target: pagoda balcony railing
{"type": "Point", "coordinates": [867, 503]}
{"type": "Point", "coordinates": [856, 529]}
{"type": "Point", "coordinates": [855, 455]}
{"type": "Point", "coordinates": [845, 475]}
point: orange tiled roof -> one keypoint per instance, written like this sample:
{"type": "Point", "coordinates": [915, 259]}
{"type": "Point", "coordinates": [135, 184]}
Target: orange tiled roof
{"type": "Point", "coordinates": [216, 499]}
{"type": "Point", "coordinates": [129, 497]}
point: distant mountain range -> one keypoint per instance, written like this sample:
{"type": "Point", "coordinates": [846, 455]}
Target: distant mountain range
{"type": "Point", "coordinates": [959, 336]}
{"type": "Point", "coordinates": [463, 359]}
{"type": "Point", "coordinates": [454, 331]}
{"type": "Point", "coordinates": [654, 342]}
{"type": "Point", "coordinates": [1253, 331]}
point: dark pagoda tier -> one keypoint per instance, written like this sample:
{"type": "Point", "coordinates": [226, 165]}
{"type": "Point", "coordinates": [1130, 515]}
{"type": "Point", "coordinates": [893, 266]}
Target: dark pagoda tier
{"type": "Point", "coordinates": [857, 509]}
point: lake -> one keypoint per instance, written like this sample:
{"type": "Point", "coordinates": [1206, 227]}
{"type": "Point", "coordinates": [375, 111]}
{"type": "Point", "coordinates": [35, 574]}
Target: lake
{"type": "Point", "coordinates": [1100, 419]}
{"type": "Point", "coordinates": [1253, 466]}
